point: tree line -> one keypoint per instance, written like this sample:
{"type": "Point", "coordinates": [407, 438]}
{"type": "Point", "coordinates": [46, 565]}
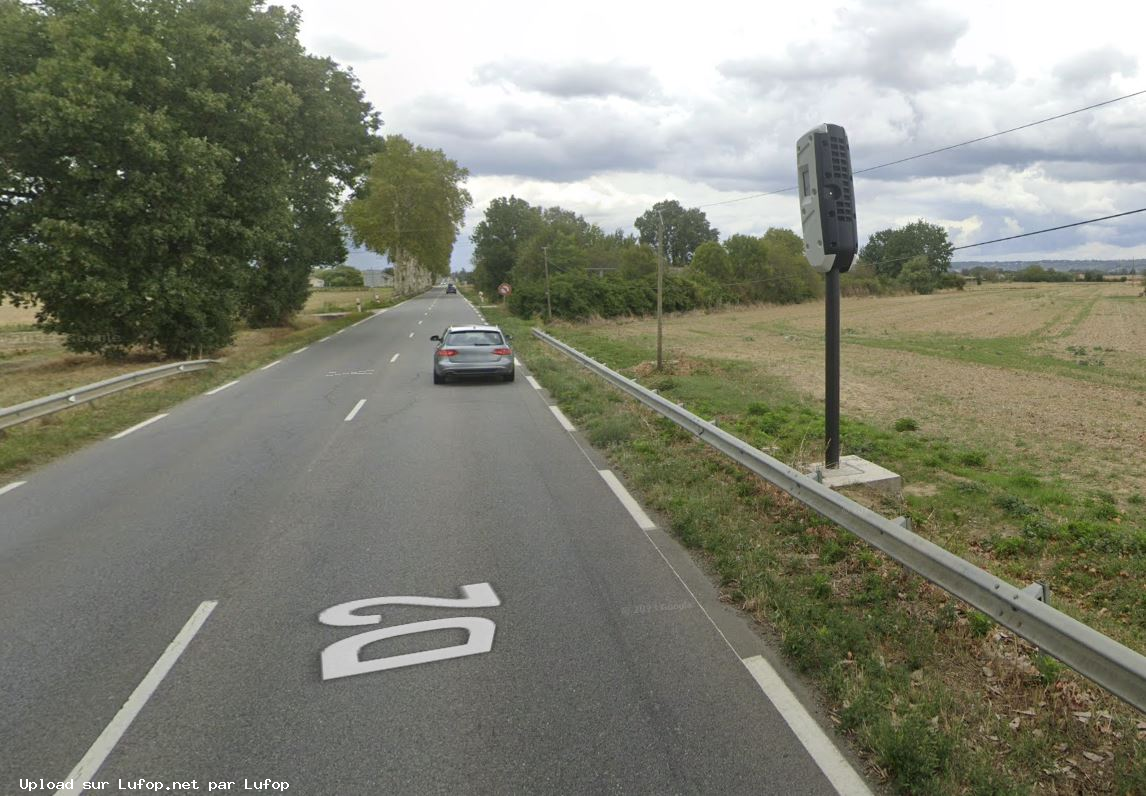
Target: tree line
{"type": "Point", "coordinates": [170, 170]}
{"type": "Point", "coordinates": [595, 273]}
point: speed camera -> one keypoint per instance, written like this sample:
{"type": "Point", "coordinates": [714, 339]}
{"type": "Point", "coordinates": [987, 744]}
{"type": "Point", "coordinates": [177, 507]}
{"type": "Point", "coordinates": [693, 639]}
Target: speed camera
{"type": "Point", "coordinates": [827, 203]}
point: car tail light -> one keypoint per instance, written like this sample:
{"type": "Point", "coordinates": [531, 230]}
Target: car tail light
{"type": "Point", "coordinates": [502, 352]}
{"type": "Point", "coordinates": [447, 352]}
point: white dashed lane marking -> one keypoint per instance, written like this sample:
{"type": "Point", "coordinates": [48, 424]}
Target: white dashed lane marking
{"type": "Point", "coordinates": [138, 426]}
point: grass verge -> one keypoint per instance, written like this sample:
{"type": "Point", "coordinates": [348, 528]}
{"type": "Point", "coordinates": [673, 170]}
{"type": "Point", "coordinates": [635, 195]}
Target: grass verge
{"type": "Point", "coordinates": [33, 444]}
{"type": "Point", "coordinates": [935, 697]}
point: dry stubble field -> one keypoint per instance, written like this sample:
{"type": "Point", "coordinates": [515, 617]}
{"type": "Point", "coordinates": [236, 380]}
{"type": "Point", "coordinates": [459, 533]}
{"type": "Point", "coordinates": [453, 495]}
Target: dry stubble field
{"type": "Point", "coordinates": [1052, 373]}
{"type": "Point", "coordinates": [34, 364]}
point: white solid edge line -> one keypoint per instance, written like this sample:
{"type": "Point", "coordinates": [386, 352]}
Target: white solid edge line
{"type": "Point", "coordinates": [323, 340]}
{"type": "Point", "coordinates": [561, 418]}
{"type": "Point", "coordinates": [394, 358]}
{"type": "Point", "coordinates": [89, 764]}
{"type": "Point", "coordinates": [627, 501]}
{"type": "Point", "coordinates": [340, 331]}
{"type": "Point", "coordinates": [516, 362]}
{"type": "Point", "coordinates": [138, 426]}
{"type": "Point", "coordinates": [220, 388]}
{"type": "Point", "coordinates": [268, 367]}
{"type": "Point", "coordinates": [533, 382]}
{"type": "Point", "coordinates": [354, 411]}
{"type": "Point", "coordinates": [835, 767]}
{"type": "Point", "coordinates": [302, 349]}
{"type": "Point", "coordinates": [6, 489]}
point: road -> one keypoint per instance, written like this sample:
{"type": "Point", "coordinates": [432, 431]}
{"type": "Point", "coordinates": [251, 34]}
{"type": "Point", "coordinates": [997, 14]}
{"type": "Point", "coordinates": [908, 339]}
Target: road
{"type": "Point", "coordinates": [165, 601]}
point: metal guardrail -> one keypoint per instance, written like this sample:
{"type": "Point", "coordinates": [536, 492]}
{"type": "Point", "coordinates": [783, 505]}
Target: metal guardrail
{"type": "Point", "coordinates": [1115, 667]}
{"type": "Point", "coordinates": [30, 410]}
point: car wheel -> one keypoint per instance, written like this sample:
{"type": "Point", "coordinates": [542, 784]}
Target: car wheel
{"type": "Point", "coordinates": [507, 377]}
{"type": "Point", "coordinates": [439, 379]}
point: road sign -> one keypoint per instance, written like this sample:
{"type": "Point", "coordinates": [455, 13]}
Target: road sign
{"type": "Point", "coordinates": [504, 289]}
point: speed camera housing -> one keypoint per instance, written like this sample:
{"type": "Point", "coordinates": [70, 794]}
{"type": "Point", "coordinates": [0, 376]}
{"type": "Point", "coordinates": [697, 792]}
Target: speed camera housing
{"type": "Point", "coordinates": [827, 201]}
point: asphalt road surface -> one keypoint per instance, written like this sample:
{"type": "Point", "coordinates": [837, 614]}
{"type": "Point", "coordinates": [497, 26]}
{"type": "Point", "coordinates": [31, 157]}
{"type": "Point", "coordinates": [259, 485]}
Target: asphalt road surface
{"type": "Point", "coordinates": [173, 602]}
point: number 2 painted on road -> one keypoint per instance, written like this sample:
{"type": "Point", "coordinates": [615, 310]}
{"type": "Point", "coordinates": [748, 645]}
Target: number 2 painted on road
{"type": "Point", "coordinates": [341, 659]}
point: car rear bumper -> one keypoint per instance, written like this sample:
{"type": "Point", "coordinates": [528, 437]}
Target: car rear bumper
{"type": "Point", "coordinates": [501, 368]}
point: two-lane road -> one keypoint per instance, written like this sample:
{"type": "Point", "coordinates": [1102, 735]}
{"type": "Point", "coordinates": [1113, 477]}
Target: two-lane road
{"type": "Point", "coordinates": [213, 539]}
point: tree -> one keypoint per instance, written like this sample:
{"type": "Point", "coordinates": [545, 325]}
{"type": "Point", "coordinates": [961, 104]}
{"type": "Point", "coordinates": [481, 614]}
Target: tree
{"type": "Point", "coordinates": [711, 259]}
{"type": "Point", "coordinates": [918, 275]}
{"type": "Point", "coordinates": [684, 230]}
{"type": "Point", "coordinates": [342, 276]}
{"type": "Point", "coordinates": [508, 223]}
{"type": "Point", "coordinates": [748, 259]}
{"type": "Point", "coordinates": [155, 167]}
{"type": "Point", "coordinates": [888, 249]}
{"type": "Point", "coordinates": [410, 208]}
{"type": "Point", "coordinates": [565, 252]}
{"type": "Point", "coordinates": [334, 137]}
{"type": "Point", "coordinates": [638, 261]}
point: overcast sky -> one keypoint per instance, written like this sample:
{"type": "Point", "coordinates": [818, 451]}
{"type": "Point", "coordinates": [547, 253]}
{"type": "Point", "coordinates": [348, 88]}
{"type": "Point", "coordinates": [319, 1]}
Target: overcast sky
{"type": "Point", "coordinates": [607, 107]}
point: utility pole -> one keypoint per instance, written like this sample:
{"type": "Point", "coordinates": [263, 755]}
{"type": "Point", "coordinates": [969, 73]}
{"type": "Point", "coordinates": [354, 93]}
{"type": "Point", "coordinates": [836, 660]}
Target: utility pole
{"type": "Point", "coordinates": [548, 301]}
{"type": "Point", "coordinates": [660, 282]}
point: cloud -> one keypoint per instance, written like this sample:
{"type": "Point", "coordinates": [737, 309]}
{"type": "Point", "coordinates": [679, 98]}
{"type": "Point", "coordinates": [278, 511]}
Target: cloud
{"type": "Point", "coordinates": [908, 48]}
{"type": "Point", "coordinates": [344, 50]}
{"type": "Point", "coordinates": [1095, 66]}
{"type": "Point", "coordinates": [706, 112]}
{"type": "Point", "coordinates": [537, 138]}
{"type": "Point", "coordinates": [571, 80]}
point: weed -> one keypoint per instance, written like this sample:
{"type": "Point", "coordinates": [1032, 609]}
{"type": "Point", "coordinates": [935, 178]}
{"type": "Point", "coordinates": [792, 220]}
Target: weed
{"type": "Point", "coordinates": [1016, 507]}
{"type": "Point", "coordinates": [610, 430]}
{"type": "Point", "coordinates": [979, 623]}
{"type": "Point", "coordinates": [946, 617]}
{"type": "Point", "coordinates": [1014, 546]}
{"type": "Point", "coordinates": [915, 750]}
{"type": "Point", "coordinates": [1039, 527]}
{"type": "Point", "coordinates": [970, 487]}
{"type": "Point", "coordinates": [833, 551]}
{"type": "Point", "coordinates": [906, 424]}
{"type": "Point", "coordinates": [972, 458]}
{"type": "Point", "coordinates": [1049, 669]}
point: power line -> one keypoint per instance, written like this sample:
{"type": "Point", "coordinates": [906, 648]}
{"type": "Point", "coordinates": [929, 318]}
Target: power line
{"type": "Point", "coordinates": [1013, 237]}
{"type": "Point", "coordinates": [945, 148]}
{"type": "Point", "coordinates": [1001, 132]}
{"type": "Point", "coordinates": [746, 198]}
{"type": "Point", "coordinates": [1050, 229]}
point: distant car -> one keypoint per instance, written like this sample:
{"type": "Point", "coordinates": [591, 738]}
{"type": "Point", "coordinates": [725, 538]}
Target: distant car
{"type": "Point", "coordinates": [450, 288]}
{"type": "Point", "coordinates": [472, 351]}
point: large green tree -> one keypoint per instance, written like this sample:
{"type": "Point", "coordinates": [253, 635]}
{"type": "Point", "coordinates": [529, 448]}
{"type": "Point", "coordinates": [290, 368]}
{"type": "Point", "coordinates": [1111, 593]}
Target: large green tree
{"type": "Point", "coordinates": [333, 138]}
{"type": "Point", "coordinates": [410, 208]}
{"type": "Point", "coordinates": [684, 230]}
{"type": "Point", "coordinates": [711, 259]}
{"type": "Point", "coordinates": [508, 223]}
{"type": "Point", "coordinates": [890, 249]}
{"type": "Point", "coordinates": [158, 164]}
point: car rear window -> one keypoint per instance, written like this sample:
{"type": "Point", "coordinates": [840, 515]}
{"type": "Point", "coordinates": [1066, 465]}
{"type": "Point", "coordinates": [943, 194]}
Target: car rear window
{"type": "Point", "coordinates": [474, 338]}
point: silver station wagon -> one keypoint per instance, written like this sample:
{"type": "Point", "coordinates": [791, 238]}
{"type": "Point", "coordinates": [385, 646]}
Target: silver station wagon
{"type": "Point", "coordinates": [472, 351]}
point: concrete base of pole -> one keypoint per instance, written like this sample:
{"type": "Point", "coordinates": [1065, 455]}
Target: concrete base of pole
{"type": "Point", "coordinates": [854, 471]}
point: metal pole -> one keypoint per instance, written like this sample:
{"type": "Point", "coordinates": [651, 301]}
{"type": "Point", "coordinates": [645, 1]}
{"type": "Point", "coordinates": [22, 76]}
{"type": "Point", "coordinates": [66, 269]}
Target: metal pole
{"type": "Point", "coordinates": [660, 282]}
{"type": "Point", "coordinates": [832, 369]}
{"type": "Point", "coordinates": [548, 302]}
